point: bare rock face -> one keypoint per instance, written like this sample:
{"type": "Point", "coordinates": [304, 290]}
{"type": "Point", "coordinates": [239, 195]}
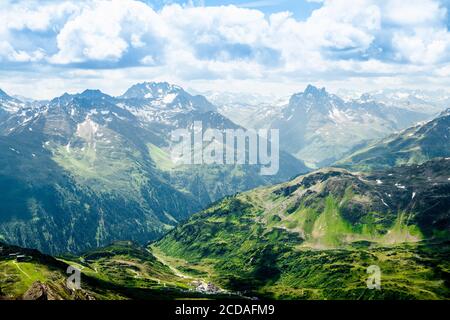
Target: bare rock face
{"type": "Point", "coordinates": [40, 291]}
{"type": "Point", "coordinates": [51, 291]}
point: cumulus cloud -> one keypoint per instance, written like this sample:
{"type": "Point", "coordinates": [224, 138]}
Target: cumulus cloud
{"type": "Point", "coordinates": [107, 30]}
{"type": "Point", "coordinates": [365, 37]}
{"type": "Point", "coordinates": [8, 53]}
{"type": "Point", "coordinates": [34, 15]}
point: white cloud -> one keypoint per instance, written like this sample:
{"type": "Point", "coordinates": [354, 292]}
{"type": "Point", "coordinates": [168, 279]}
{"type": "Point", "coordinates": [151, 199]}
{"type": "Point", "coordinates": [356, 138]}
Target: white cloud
{"type": "Point", "coordinates": [7, 52]}
{"type": "Point", "coordinates": [362, 38]}
{"type": "Point", "coordinates": [424, 46]}
{"type": "Point", "coordinates": [340, 25]}
{"type": "Point", "coordinates": [414, 12]}
{"type": "Point", "coordinates": [105, 30]}
{"type": "Point", "coordinates": [35, 16]}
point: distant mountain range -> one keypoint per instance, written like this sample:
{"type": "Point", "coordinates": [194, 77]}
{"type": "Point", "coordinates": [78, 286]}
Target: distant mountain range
{"type": "Point", "coordinates": [423, 101]}
{"type": "Point", "coordinates": [320, 128]}
{"type": "Point", "coordinates": [414, 145]}
{"type": "Point", "coordinates": [85, 169]}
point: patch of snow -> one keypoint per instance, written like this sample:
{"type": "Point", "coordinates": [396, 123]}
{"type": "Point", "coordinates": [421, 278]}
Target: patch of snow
{"type": "Point", "coordinates": [169, 98]}
{"type": "Point", "coordinates": [27, 120]}
{"type": "Point", "coordinates": [338, 116]}
{"type": "Point", "coordinates": [11, 106]}
{"type": "Point", "coordinates": [402, 95]}
{"type": "Point", "coordinates": [117, 116]}
{"type": "Point", "coordinates": [88, 130]}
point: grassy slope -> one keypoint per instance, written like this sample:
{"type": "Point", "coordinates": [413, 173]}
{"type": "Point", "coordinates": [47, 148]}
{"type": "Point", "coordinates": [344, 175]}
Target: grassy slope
{"type": "Point", "coordinates": [313, 239]}
{"type": "Point", "coordinates": [244, 256]}
{"type": "Point", "coordinates": [122, 270]}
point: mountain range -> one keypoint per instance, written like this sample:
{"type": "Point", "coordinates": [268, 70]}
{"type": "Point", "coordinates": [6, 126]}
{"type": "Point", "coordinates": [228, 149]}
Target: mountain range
{"type": "Point", "coordinates": [88, 178]}
{"type": "Point", "coordinates": [320, 128]}
{"type": "Point", "coordinates": [414, 145]}
{"type": "Point", "coordinates": [85, 169]}
{"type": "Point", "coordinates": [424, 101]}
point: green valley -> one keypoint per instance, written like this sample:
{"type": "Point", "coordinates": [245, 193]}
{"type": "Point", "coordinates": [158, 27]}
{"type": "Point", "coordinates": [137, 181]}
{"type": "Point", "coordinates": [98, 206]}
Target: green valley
{"type": "Point", "coordinates": [123, 270]}
{"type": "Point", "coordinates": [315, 236]}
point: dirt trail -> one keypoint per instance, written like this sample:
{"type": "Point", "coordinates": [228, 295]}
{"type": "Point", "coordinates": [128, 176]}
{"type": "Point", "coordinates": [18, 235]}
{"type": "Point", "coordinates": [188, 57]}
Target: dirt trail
{"type": "Point", "coordinates": [172, 268]}
{"type": "Point", "coordinates": [21, 270]}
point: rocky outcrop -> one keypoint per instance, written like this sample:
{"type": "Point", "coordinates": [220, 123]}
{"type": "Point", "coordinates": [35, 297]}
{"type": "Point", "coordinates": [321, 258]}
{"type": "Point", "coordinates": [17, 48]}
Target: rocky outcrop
{"type": "Point", "coordinates": [40, 291]}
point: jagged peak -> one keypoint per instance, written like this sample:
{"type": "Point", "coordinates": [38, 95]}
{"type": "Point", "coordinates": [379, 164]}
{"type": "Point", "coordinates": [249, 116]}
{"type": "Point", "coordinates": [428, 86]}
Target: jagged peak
{"type": "Point", "coordinates": [315, 91]}
{"type": "Point", "coordinates": [149, 90]}
{"type": "Point", "coordinates": [311, 91]}
{"type": "Point", "coordinates": [92, 93]}
{"type": "Point", "coordinates": [88, 94]}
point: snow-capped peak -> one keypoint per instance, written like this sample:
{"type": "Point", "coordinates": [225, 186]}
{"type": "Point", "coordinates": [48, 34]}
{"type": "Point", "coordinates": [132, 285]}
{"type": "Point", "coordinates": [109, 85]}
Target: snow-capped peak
{"type": "Point", "coordinates": [152, 90]}
{"type": "Point", "coordinates": [314, 91]}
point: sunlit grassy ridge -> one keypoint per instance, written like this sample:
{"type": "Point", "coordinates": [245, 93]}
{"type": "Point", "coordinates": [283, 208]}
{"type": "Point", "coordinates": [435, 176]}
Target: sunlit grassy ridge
{"type": "Point", "coordinates": [244, 256]}
{"type": "Point", "coordinates": [315, 237]}
{"type": "Point", "coordinates": [123, 270]}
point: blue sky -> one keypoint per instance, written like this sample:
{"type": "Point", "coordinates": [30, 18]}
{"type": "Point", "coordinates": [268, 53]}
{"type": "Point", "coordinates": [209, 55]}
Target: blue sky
{"type": "Point", "coordinates": [301, 9]}
{"type": "Point", "coordinates": [266, 46]}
